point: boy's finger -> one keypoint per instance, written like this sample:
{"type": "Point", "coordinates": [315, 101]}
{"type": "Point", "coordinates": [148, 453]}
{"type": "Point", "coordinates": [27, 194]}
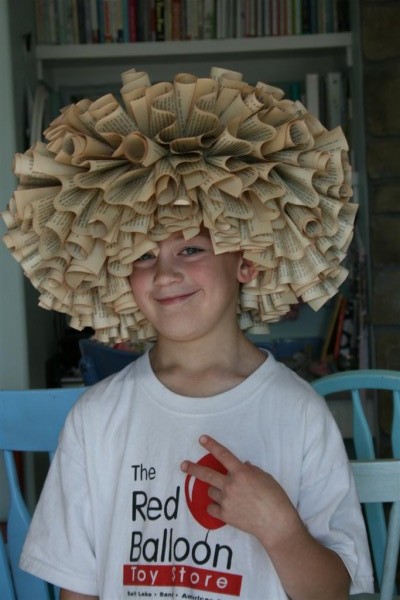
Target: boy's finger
{"type": "Point", "coordinates": [205, 474]}
{"type": "Point", "coordinates": [225, 456]}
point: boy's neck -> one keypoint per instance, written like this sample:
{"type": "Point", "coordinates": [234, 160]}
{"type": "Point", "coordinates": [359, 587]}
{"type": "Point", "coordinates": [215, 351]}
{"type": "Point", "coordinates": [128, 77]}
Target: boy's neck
{"type": "Point", "coordinates": [206, 367]}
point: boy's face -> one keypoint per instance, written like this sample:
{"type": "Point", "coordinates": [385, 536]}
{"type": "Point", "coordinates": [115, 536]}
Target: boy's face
{"type": "Point", "coordinates": [186, 290]}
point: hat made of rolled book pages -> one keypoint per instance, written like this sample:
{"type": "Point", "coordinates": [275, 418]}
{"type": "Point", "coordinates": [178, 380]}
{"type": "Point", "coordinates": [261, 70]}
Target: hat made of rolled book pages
{"type": "Point", "coordinates": [113, 179]}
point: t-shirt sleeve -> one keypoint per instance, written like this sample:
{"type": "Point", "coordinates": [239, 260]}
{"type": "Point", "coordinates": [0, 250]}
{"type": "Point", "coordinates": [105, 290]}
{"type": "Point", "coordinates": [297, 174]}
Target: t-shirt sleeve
{"type": "Point", "coordinates": [329, 503]}
{"type": "Point", "coordinates": [59, 547]}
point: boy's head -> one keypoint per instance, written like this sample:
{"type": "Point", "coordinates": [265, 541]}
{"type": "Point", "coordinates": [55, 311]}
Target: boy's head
{"type": "Point", "coordinates": [113, 182]}
{"type": "Point", "coordinates": [185, 290]}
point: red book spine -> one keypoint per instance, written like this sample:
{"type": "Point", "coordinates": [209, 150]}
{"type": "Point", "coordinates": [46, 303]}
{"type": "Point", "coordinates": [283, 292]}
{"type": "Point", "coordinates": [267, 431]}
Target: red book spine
{"type": "Point", "coordinates": [176, 19]}
{"type": "Point", "coordinates": [132, 15]}
{"type": "Point", "coordinates": [107, 21]}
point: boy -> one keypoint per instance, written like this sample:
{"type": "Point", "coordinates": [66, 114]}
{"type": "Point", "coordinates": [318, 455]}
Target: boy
{"type": "Point", "coordinates": [205, 469]}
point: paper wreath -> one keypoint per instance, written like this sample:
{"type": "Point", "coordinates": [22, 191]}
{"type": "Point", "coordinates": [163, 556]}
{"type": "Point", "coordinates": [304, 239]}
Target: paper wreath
{"type": "Point", "coordinates": [256, 169]}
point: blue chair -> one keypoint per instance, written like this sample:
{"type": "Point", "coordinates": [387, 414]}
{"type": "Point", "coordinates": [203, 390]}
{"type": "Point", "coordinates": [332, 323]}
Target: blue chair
{"type": "Point", "coordinates": [355, 382]}
{"type": "Point", "coordinates": [379, 481]}
{"type": "Point", "coordinates": [30, 421]}
{"type": "Point", "coordinates": [6, 583]}
{"type": "Point", "coordinates": [99, 361]}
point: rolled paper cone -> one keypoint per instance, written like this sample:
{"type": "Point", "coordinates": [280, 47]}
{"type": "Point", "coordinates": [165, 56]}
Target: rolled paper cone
{"type": "Point", "coordinates": [142, 150]}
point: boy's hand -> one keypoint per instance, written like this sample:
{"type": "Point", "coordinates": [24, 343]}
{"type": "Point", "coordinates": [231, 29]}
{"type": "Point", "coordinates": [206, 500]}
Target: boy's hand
{"type": "Point", "coordinates": [246, 497]}
{"type": "Point", "coordinates": [250, 499]}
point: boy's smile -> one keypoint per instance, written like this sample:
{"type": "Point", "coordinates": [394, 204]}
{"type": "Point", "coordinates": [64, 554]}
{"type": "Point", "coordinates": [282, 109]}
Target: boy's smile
{"type": "Point", "coordinates": [174, 299]}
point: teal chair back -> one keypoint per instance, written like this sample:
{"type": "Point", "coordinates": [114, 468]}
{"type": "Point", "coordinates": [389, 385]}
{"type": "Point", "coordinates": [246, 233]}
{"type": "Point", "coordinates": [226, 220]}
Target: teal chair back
{"type": "Point", "coordinates": [30, 421]}
{"type": "Point", "coordinates": [99, 361]}
{"type": "Point", "coordinates": [355, 382]}
{"type": "Point", "coordinates": [378, 481]}
{"type": "Point", "coordinates": [6, 583]}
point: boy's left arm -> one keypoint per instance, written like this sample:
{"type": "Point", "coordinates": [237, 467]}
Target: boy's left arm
{"type": "Point", "coordinates": [307, 569]}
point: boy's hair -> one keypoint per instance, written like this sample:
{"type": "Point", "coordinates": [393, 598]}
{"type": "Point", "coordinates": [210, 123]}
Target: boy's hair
{"type": "Point", "coordinates": [113, 179]}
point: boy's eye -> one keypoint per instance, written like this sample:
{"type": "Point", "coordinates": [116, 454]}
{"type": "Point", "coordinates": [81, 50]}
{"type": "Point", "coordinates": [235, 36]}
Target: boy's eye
{"type": "Point", "coordinates": [191, 250]}
{"type": "Point", "coordinates": [145, 256]}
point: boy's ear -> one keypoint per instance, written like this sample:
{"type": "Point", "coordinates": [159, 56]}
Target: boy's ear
{"type": "Point", "coordinates": [246, 271]}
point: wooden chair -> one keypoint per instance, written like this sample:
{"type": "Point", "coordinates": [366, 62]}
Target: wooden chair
{"type": "Point", "coordinates": [379, 481]}
{"type": "Point", "coordinates": [99, 361]}
{"type": "Point", "coordinates": [355, 382]}
{"type": "Point", "coordinates": [30, 421]}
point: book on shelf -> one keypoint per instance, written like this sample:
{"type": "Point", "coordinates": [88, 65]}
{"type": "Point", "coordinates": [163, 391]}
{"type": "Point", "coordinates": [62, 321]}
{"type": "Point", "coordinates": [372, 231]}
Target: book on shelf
{"type": "Point", "coordinates": [208, 18]}
{"type": "Point", "coordinates": [336, 100]}
{"type": "Point", "coordinates": [260, 17]}
{"type": "Point", "coordinates": [329, 340]}
{"type": "Point", "coordinates": [174, 15]}
{"type": "Point", "coordinates": [274, 17]}
{"type": "Point", "coordinates": [100, 22]}
{"type": "Point", "coordinates": [80, 21]}
{"type": "Point", "coordinates": [93, 19]}
{"type": "Point", "coordinates": [51, 23]}
{"type": "Point", "coordinates": [306, 16]}
{"type": "Point", "coordinates": [288, 19]}
{"type": "Point", "coordinates": [313, 94]}
{"type": "Point", "coordinates": [340, 343]}
{"type": "Point", "coordinates": [192, 23]}
{"type": "Point", "coordinates": [220, 20]}
{"type": "Point", "coordinates": [297, 18]}
{"type": "Point", "coordinates": [116, 21]}
{"type": "Point", "coordinates": [108, 34]}
{"type": "Point", "coordinates": [125, 22]}
{"type": "Point", "coordinates": [143, 29]}
{"type": "Point", "coordinates": [160, 20]}
{"type": "Point", "coordinates": [326, 97]}
{"type": "Point", "coordinates": [251, 17]}
{"type": "Point", "coordinates": [132, 20]}
{"type": "Point", "coordinates": [326, 17]}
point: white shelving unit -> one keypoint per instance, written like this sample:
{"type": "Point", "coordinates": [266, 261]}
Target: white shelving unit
{"type": "Point", "coordinates": [196, 47]}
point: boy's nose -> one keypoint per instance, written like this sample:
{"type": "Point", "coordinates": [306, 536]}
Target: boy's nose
{"type": "Point", "coordinates": [166, 272]}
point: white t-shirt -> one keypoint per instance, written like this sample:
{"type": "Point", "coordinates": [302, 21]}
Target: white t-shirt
{"type": "Point", "coordinates": [118, 518]}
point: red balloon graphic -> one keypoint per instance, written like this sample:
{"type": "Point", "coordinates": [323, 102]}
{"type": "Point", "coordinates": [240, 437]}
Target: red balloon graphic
{"type": "Point", "coordinates": [197, 497]}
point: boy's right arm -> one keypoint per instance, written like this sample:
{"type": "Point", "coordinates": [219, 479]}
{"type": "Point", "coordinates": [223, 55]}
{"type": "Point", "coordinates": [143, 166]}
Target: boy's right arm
{"type": "Point", "coordinates": [67, 595]}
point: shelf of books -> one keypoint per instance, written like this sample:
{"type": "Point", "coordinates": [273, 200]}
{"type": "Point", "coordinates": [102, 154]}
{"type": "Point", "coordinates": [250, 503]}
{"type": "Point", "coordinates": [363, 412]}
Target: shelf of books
{"type": "Point", "coordinates": [116, 21]}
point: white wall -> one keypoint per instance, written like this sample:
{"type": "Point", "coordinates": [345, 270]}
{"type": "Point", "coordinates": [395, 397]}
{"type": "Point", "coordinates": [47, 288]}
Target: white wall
{"type": "Point", "coordinates": [13, 342]}
{"type": "Point", "coordinates": [17, 59]}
